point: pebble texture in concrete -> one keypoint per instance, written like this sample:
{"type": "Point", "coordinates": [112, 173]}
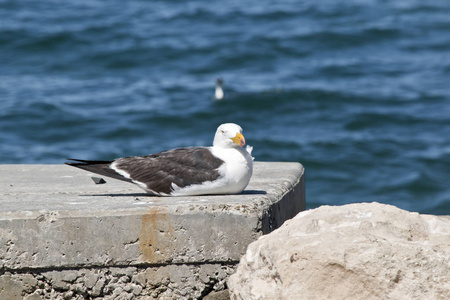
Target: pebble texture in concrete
{"type": "Point", "coordinates": [54, 218]}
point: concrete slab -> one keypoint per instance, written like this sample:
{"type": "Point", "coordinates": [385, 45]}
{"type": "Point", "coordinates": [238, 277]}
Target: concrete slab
{"type": "Point", "coordinates": [55, 216]}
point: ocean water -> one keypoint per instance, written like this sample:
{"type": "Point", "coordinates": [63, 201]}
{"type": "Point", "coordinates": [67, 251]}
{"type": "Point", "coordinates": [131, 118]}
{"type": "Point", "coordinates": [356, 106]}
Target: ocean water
{"type": "Point", "coordinates": [357, 91]}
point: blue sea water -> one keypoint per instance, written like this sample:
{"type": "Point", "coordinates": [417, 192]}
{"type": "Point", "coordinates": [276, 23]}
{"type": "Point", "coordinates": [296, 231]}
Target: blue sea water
{"type": "Point", "coordinates": [357, 91]}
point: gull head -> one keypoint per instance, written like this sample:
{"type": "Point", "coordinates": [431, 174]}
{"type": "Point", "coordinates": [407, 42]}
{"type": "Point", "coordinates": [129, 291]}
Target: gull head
{"type": "Point", "coordinates": [229, 135]}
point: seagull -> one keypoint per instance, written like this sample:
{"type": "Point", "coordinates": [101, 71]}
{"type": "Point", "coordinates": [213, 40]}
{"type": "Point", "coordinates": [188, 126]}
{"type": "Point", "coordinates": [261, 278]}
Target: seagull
{"type": "Point", "coordinates": [219, 91]}
{"type": "Point", "coordinates": [223, 168]}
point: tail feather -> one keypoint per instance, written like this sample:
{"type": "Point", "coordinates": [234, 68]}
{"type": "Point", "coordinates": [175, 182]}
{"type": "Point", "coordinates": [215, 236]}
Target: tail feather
{"type": "Point", "coordinates": [100, 167]}
{"type": "Point", "coordinates": [89, 161]}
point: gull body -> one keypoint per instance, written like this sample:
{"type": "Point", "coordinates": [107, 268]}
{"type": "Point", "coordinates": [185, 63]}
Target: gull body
{"type": "Point", "coordinates": [224, 168]}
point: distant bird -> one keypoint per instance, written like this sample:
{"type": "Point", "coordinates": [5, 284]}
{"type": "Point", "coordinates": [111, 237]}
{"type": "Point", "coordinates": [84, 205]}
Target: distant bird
{"type": "Point", "coordinates": [219, 91]}
{"type": "Point", "coordinates": [224, 168]}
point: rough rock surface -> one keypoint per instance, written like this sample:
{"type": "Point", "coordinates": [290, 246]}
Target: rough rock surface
{"type": "Point", "coordinates": [357, 251]}
{"type": "Point", "coordinates": [131, 283]}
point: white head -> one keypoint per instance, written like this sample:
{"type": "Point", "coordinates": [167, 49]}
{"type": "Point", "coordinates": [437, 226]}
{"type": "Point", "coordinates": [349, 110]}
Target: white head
{"type": "Point", "coordinates": [229, 135]}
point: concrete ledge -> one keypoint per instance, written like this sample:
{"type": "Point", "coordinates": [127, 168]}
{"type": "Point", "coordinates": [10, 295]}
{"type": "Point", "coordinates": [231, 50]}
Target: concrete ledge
{"type": "Point", "coordinates": [53, 217]}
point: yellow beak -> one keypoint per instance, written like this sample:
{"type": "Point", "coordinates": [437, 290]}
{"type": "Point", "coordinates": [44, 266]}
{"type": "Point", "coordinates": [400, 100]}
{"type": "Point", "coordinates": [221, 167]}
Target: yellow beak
{"type": "Point", "coordinates": [239, 139]}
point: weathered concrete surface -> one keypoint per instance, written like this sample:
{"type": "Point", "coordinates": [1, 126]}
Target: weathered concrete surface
{"type": "Point", "coordinates": [358, 251]}
{"type": "Point", "coordinates": [185, 281]}
{"type": "Point", "coordinates": [53, 217]}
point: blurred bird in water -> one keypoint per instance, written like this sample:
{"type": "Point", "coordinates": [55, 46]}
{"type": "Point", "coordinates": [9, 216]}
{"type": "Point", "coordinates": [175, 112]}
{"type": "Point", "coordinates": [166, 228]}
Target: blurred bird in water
{"type": "Point", "coordinates": [219, 91]}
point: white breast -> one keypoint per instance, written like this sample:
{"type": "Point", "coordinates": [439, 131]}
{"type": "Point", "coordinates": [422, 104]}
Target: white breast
{"type": "Point", "coordinates": [237, 168]}
{"type": "Point", "coordinates": [235, 174]}
{"type": "Point", "coordinates": [219, 93]}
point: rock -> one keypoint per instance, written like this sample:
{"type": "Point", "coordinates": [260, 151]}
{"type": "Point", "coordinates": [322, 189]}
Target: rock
{"type": "Point", "coordinates": [357, 251]}
{"type": "Point", "coordinates": [220, 295]}
{"type": "Point", "coordinates": [14, 290]}
{"type": "Point", "coordinates": [98, 287]}
{"type": "Point", "coordinates": [29, 283]}
{"type": "Point", "coordinates": [32, 297]}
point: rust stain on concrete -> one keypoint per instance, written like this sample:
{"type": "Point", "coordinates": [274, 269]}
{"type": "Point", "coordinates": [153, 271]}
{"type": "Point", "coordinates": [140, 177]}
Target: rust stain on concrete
{"type": "Point", "coordinates": [156, 236]}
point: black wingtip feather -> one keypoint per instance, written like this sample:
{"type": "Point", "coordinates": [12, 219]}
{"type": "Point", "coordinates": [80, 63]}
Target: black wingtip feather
{"type": "Point", "coordinates": [101, 167]}
{"type": "Point", "coordinates": [86, 162]}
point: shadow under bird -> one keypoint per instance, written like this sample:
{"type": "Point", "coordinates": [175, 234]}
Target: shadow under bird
{"type": "Point", "coordinates": [224, 168]}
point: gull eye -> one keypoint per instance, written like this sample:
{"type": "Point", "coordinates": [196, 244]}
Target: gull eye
{"type": "Point", "coordinates": [223, 131]}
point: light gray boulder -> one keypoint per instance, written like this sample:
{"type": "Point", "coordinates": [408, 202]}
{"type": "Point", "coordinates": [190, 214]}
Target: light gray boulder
{"type": "Point", "coordinates": [357, 251]}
